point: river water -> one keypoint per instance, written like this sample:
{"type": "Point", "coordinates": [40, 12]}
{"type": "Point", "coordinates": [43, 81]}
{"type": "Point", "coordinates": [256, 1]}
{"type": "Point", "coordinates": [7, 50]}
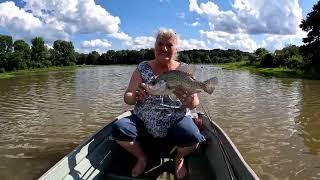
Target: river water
{"type": "Point", "coordinates": [274, 122]}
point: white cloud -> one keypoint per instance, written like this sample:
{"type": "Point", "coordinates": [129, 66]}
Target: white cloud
{"type": "Point", "coordinates": [195, 24]}
{"type": "Point", "coordinates": [275, 42]}
{"type": "Point", "coordinates": [276, 20]}
{"type": "Point", "coordinates": [189, 44]}
{"type": "Point", "coordinates": [141, 42]}
{"type": "Point", "coordinates": [121, 36]}
{"type": "Point", "coordinates": [99, 45]}
{"type": "Point", "coordinates": [24, 25]}
{"type": "Point", "coordinates": [75, 15]}
{"type": "Point", "coordinates": [58, 19]}
{"type": "Point", "coordinates": [49, 46]}
{"type": "Point", "coordinates": [252, 16]}
{"type": "Point", "coordinates": [104, 43]}
{"type": "Point", "coordinates": [193, 6]}
{"type": "Point", "coordinates": [225, 40]}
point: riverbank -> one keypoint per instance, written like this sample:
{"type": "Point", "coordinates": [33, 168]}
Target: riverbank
{"type": "Point", "coordinates": [36, 70]}
{"type": "Point", "coordinates": [276, 72]}
{"type": "Point", "coordinates": [243, 65]}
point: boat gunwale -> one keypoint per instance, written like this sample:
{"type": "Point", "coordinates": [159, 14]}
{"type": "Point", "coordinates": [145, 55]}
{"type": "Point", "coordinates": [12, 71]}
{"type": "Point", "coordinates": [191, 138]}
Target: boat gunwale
{"type": "Point", "coordinates": [81, 145]}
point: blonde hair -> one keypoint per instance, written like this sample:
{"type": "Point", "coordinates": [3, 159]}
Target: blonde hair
{"type": "Point", "coordinates": [166, 34]}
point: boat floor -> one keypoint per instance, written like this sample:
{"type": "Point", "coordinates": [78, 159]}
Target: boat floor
{"type": "Point", "coordinates": [197, 166]}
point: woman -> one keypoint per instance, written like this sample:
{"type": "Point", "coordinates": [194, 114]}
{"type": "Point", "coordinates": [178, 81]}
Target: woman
{"type": "Point", "coordinates": [158, 121]}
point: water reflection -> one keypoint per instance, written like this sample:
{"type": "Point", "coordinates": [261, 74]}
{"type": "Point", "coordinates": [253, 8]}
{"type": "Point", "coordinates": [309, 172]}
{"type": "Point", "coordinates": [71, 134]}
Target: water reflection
{"type": "Point", "coordinates": [261, 114]}
{"type": "Point", "coordinates": [44, 115]}
{"type": "Point", "coordinates": [274, 122]}
{"type": "Point", "coordinates": [309, 120]}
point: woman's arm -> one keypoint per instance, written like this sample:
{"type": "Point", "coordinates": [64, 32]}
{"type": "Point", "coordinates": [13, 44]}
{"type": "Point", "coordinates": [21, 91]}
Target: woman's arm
{"type": "Point", "coordinates": [130, 94]}
{"type": "Point", "coordinates": [136, 90]}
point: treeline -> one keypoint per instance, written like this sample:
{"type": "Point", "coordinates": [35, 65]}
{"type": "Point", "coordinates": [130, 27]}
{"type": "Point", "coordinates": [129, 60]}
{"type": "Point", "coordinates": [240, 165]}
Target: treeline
{"type": "Point", "coordinates": [214, 56]}
{"type": "Point", "coordinates": [114, 57]}
{"type": "Point", "coordinates": [289, 57]}
{"type": "Point", "coordinates": [134, 56]}
{"type": "Point", "coordinates": [19, 55]}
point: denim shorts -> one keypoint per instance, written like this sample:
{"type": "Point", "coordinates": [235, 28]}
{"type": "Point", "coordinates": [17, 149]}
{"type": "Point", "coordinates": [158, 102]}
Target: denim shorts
{"type": "Point", "coordinates": [181, 134]}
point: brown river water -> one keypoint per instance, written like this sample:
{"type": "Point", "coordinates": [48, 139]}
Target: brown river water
{"type": "Point", "coordinates": [274, 122]}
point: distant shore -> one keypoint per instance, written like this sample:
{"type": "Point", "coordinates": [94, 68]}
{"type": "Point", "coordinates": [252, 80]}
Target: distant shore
{"type": "Point", "coordinates": [243, 65]}
{"type": "Point", "coordinates": [275, 72]}
{"type": "Point", "coordinates": [11, 74]}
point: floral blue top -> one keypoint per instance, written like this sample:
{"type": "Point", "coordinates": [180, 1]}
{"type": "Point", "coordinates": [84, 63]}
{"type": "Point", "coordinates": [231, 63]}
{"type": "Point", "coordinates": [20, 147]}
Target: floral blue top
{"type": "Point", "coordinates": [158, 113]}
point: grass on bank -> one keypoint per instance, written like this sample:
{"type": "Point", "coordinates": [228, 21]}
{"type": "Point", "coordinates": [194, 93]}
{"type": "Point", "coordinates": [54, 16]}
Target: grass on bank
{"type": "Point", "coordinates": [276, 72]}
{"type": "Point", "coordinates": [36, 70]}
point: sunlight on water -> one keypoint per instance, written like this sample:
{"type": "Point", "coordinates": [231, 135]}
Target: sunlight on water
{"type": "Point", "coordinates": [274, 122]}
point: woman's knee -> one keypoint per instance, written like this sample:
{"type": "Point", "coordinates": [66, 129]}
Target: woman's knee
{"type": "Point", "coordinates": [186, 132]}
{"type": "Point", "coordinates": [124, 129]}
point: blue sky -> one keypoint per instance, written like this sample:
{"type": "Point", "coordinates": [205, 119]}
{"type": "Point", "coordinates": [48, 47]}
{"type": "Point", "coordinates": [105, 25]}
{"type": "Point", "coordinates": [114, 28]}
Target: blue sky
{"type": "Point", "coordinates": [102, 25]}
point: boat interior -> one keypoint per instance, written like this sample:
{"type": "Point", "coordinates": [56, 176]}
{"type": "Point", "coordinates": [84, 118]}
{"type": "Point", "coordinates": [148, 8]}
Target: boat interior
{"type": "Point", "coordinates": [100, 157]}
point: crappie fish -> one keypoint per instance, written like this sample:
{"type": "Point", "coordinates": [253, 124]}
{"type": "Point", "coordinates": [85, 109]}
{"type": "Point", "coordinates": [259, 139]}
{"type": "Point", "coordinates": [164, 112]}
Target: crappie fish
{"type": "Point", "coordinates": [165, 83]}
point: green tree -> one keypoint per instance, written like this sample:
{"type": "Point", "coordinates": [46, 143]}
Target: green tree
{"type": "Point", "coordinates": [261, 52]}
{"type": "Point", "coordinates": [63, 53]}
{"type": "Point", "coordinates": [20, 58]}
{"type": "Point", "coordinates": [92, 58]}
{"type": "Point", "coordinates": [257, 56]}
{"type": "Point", "coordinates": [284, 57]}
{"type": "Point", "coordinates": [121, 55]}
{"type": "Point", "coordinates": [111, 57]}
{"type": "Point", "coordinates": [39, 53]}
{"type": "Point", "coordinates": [6, 44]}
{"type": "Point", "coordinates": [295, 62]}
{"type": "Point", "coordinates": [81, 58]}
{"type": "Point", "coordinates": [311, 49]}
{"type": "Point", "coordinates": [267, 61]}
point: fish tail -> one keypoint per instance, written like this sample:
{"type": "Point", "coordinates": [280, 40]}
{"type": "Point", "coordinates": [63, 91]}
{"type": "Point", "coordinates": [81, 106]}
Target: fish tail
{"type": "Point", "coordinates": [209, 85]}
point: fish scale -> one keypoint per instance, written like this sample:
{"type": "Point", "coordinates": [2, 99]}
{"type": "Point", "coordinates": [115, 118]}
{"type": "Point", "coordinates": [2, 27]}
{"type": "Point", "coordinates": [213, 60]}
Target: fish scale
{"type": "Point", "coordinates": [166, 82]}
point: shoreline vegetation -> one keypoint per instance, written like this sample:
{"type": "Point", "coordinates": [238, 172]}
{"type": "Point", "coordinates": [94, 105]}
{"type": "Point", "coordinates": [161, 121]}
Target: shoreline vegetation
{"type": "Point", "coordinates": [291, 61]}
{"type": "Point", "coordinates": [279, 72]}
{"type": "Point", "coordinates": [15, 73]}
{"type": "Point", "coordinates": [241, 66]}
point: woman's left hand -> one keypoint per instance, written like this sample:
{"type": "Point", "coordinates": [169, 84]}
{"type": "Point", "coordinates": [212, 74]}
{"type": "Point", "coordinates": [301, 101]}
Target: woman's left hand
{"type": "Point", "coordinates": [186, 97]}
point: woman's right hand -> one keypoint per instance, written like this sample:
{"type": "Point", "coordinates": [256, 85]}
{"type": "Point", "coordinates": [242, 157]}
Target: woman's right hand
{"type": "Point", "coordinates": [142, 92]}
{"type": "Point", "coordinates": [136, 91]}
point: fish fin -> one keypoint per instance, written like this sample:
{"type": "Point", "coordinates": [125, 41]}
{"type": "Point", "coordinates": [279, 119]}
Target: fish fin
{"type": "Point", "coordinates": [187, 68]}
{"type": "Point", "coordinates": [209, 85]}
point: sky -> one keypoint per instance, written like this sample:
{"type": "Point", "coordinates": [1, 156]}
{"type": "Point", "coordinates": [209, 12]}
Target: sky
{"type": "Point", "coordinates": [102, 25]}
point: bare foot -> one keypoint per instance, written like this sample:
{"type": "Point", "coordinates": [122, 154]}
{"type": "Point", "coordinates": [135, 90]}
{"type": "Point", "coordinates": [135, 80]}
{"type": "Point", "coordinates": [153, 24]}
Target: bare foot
{"type": "Point", "coordinates": [138, 169]}
{"type": "Point", "coordinates": [180, 167]}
